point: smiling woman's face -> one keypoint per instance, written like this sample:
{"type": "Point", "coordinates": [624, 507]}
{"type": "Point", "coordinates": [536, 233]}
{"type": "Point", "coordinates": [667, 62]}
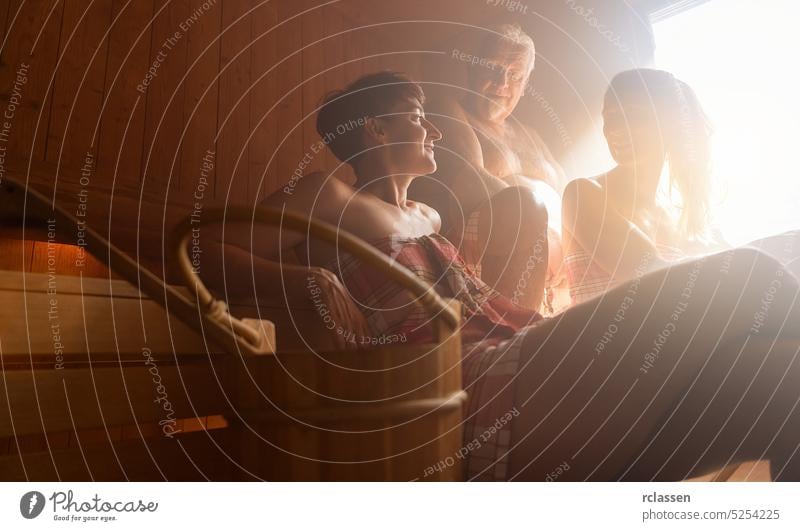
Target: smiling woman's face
{"type": "Point", "coordinates": [409, 137]}
{"type": "Point", "coordinates": [633, 132]}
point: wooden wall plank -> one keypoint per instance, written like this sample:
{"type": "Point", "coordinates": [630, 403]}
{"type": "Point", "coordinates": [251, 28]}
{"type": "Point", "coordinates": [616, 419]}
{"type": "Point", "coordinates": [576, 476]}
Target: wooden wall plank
{"type": "Point", "coordinates": [36, 401]}
{"type": "Point", "coordinates": [78, 88]}
{"type": "Point", "coordinates": [314, 87]}
{"type": "Point", "coordinates": [200, 111]}
{"type": "Point", "coordinates": [234, 103]}
{"type": "Point", "coordinates": [191, 457]}
{"type": "Point", "coordinates": [122, 127]}
{"type": "Point", "coordinates": [68, 260]}
{"type": "Point", "coordinates": [37, 282]}
{"type": "Point", "coordinates": [289, 111]}
{"type": "Point", "coordinates": [32, 40]}
{"type": "Point", "coordinates": [352, 50]}
{"type": "Point", "coordinates": [164, 107]}
{"type": "Point", "coordinates": [334, 56]}
{"type": "Point", "coordinates": [5, 16]}
{"type": "Point", "coordinates": [266, 91]}
{"type": "Point", "coordinates": [49, 23]}
{"type": "Point", "coordinates": [109, 325]}
{"type": "Point", "coordinates": [15, 253]}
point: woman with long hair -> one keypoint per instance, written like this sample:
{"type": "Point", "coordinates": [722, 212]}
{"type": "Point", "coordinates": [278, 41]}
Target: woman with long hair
{"type": "Point", "coordinates": [637, 216]}
{"type": "Point", "coordinates": [653, 207]}
{"type": "Point", "coordinates": [662, 378]}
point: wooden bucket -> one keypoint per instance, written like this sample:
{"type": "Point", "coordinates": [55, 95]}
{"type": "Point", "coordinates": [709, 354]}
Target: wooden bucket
{"type": "Point", "coordinates": [386, 413]}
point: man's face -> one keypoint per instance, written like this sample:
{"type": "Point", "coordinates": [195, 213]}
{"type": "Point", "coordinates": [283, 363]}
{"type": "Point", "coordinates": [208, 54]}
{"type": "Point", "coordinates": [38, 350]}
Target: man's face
{"type": "Point", "coordinates": [501, 83]}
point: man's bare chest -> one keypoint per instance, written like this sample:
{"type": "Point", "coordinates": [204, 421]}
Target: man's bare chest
{"type": "Point", "coordinates": [498, 149]}
{"type": "Point", "coordinates": [509, 153]}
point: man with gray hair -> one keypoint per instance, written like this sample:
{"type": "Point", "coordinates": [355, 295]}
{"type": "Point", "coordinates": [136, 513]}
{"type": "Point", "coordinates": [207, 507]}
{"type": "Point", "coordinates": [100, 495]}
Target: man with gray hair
{"type": "Point", "coordinates": [497, 182]}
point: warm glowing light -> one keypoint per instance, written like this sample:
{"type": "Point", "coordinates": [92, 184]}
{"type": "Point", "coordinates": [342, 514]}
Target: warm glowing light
{"type": "Point", "coordinates": [740, 56]}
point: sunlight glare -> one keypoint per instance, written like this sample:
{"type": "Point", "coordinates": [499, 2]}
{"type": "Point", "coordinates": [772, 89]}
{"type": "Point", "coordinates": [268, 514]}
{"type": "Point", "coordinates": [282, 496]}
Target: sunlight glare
{"type": "Point", "coordinates": [738, 56]}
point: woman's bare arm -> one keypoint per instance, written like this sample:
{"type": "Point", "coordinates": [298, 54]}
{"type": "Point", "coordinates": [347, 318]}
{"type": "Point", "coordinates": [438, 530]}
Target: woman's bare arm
{"type": "Point", "coordinates": [315, 195]}
{"type": "Point", "coordinates": [616, 244]}
{"type": "Point", "coordinates": [235, 273]}
{"type": "Point", "coordinates": [247, 260]}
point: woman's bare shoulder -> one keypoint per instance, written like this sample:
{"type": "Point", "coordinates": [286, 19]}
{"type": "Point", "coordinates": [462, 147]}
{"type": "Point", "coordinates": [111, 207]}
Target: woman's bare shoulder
{"type": "Point", "coordinates": [432, 215]}
{"type": "Point", "coordinates": [318, 183]}
{"type": "Point", "coordinates": [315, 192]}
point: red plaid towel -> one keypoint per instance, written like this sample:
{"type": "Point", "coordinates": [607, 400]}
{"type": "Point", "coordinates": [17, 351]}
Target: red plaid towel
{"type": "Point", "coordinates": [468, 242]}
{"type": "Point", "coordinates": [588, 280]}
{"type": "Point", "coordinates": [390, 309]}
{"type": "Point", "coordinates": [489, 335]}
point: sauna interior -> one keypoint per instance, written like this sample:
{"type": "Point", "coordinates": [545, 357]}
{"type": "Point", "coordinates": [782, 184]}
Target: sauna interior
{"type": "Point", "coordinates": [124, 117]}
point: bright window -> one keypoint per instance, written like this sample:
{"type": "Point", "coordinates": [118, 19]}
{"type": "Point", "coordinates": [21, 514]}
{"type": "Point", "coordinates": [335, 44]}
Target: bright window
{"type": "Point", "coordinates": [741, 58]}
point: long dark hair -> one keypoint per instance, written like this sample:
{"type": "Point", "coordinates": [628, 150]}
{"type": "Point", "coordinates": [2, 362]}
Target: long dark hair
{"type": "Point", "coordinates": [686, 131]}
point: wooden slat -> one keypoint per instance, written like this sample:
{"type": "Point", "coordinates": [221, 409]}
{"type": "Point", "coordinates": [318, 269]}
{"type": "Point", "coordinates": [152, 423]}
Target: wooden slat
{"type": "Point", "coordinates": [266, 91]}
{"type": "Point", "coordinates": [193, 457]}
{"type": "Point", "coordinates": [374, 451]}
{"type": "Point", "coordinates": [33, 320]}
{"type": "Point", "coordinates": [200, 115]}
{"type": "Point", "coordinates": [334, 54]}
{"type": "Point", "coordinates": [122, 127]}
{"type": "Point", "coordinates": [314, 86]}
{"type": "Point", "coordinates": [33, 40]}
{"type": "Point", "coordinates": [70, 399]}
{"type": "Point", "coordinates": [63, 440]}
{"type": "Point", "coordinates": [164, 109]}
{"type": "Point", "coordinates": [15, 254]}
{"type": "Point", "coordinates": [234, 103]}
{"type": "Point", "coordinates": [5, 16]}
{"type": "Point", "coordinates": [37, 283]}
{"type": "Point", "coordinates": [78, 89]}
{"type": "Point", "coordinates": [353, 47]}
{"type": "Point", "coordinates": [69, 260]}
{"type": "Point", "coordinates": [288, 41]}
{"type": "Point", "coordinates": [348, 407]}
{"type": "Point", "coordinates": [299, 381]}
{"type": "Point", "coordinates": [38, 323]}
